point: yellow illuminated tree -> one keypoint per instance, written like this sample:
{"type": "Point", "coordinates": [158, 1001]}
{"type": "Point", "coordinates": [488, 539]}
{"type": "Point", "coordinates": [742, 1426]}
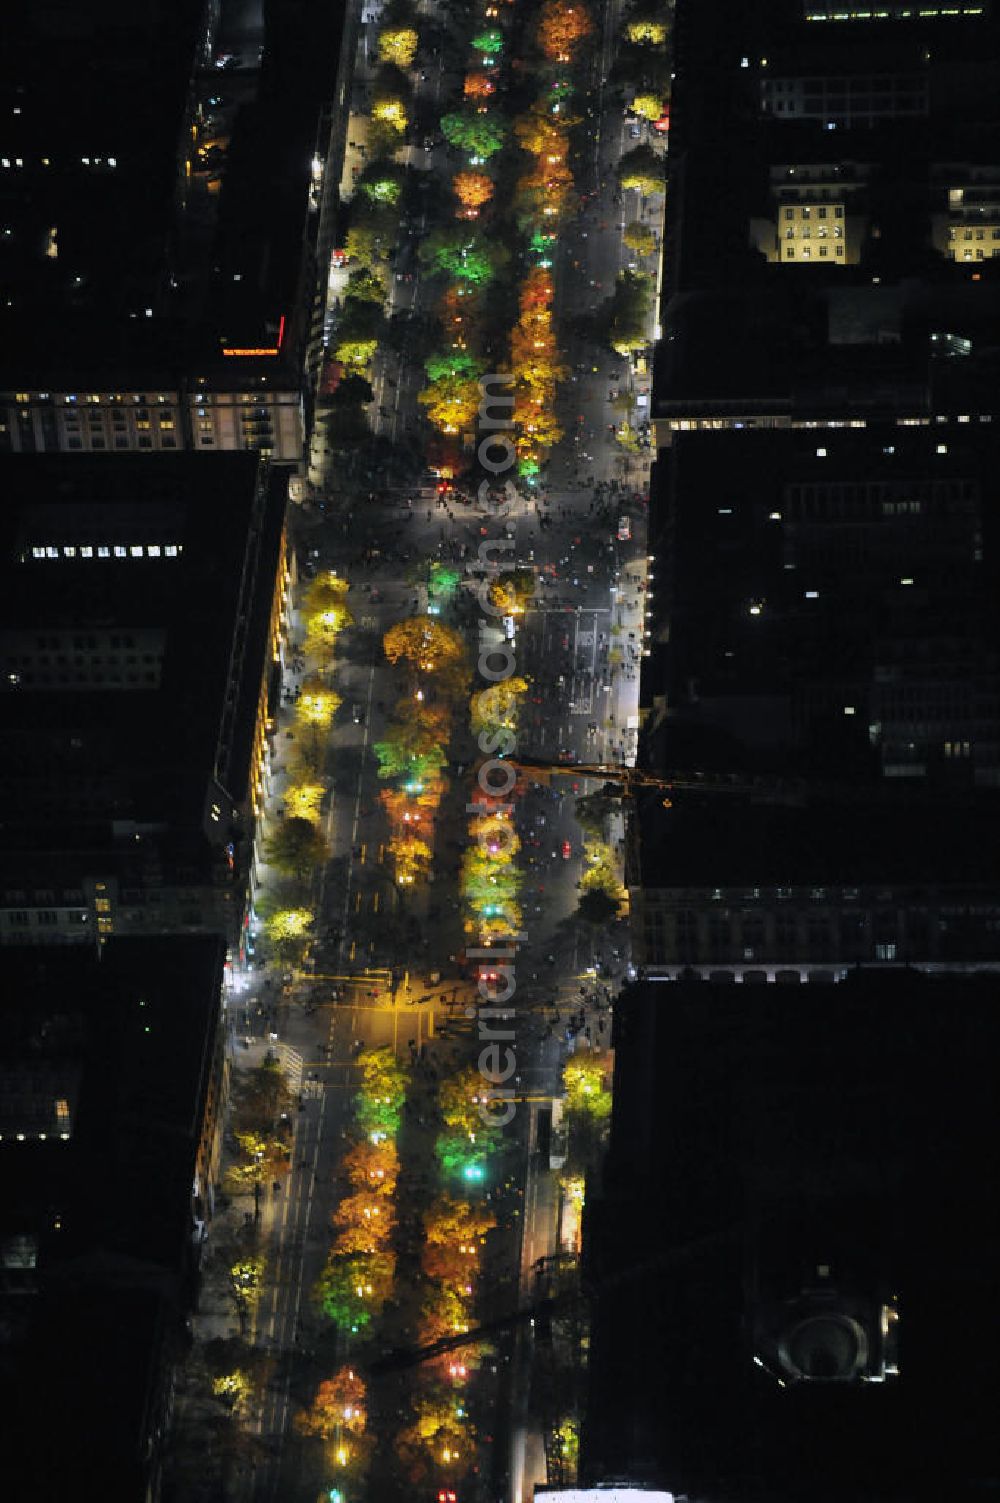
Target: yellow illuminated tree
{"type": "Point", "coordinates": [425, 643]}
{"type": "Point", "coordinates": [646, 31]}
{"type": "Point", "coordinates": [398, 45]}
{"type": "Point", "coordinates": [303, 801]}
{"type": "Point", "coordinates": [317, 704]}
{"type": "Point", "coordinates": [391, 111]}
{"type": "Point", "coordinates": [288, 932]}
{"type": "Point", "coordinates": [648, 106]}
{"type": "Point", "coordinates": [412, 860]}
{"type": "Point", "coordinates": [453, 1221]}
{"type": "Point", "coordinates": [583, 1082]}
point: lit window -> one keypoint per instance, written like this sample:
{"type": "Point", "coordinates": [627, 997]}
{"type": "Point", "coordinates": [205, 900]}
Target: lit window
{"type": "Point", "coordinates": [62, 1110]}
{"type": "Point", "coordinates": [136, 550]}
{"type": "Point", "coordinates": [171, 550]}
{"type": "Point", "coordinates": [120, 552]}
{"type": "Point", "coordinates": [153, 550]}
{"type": "Point", "coordinates": [820, 453]}
{"type": "Point", "coordinates": [86, 551]}
{"type": "Point", "coordinates": [103, 551]}
{"type": "Point", "coordinates": [69, 552]}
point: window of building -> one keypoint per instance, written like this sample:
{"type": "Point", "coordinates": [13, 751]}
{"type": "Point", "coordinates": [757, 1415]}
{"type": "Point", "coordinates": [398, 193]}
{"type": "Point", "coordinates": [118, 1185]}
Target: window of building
{"type": "Point", "coordinates": [838, 212]}
{"type": "Point", "coordinates": [789, 213]}
{"type": "Point", "coordinates": [885, 952]}
{"type": "Point", "coordinates": [822, 250]}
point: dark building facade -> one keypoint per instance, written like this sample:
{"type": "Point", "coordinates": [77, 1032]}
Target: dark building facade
{"type": "Point", "coordinates": [791, 1244]}
{"type": "Point", "coordinates": [158, 224]}
{"type": "Point", "coordinates": [114, 1079]}
{"type": "Point", "coordinates": [143, 603]}
{"type": "Point", "coordinates": [824, 639]}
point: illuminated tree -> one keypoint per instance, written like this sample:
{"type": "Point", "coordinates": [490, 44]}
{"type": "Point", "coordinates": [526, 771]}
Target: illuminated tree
{"type": "Point", "coordinates": [490, 43]}
{"type": "Point", "coordinates": [317, 704]}
{"type": "Point", "coordinates": [412, 858]}
{"type": "Point", "coordinates": [340, 1403]}
{"type": "Point", "coordinates": [450, 1220]}
{"type": "Point", "coordinates": [463, 254]}
{"type": "Point", "coordinates": [452, 404]}
{"type": "Point", "coordinates": [296, 847]}
{"type": "Point", "coordinates": [478, 86]}
{"type": "Point", "coordinates": [583, 1083]}
{"type": "Point", "coordinates": [443, 1313]}
{"type": "Point", "coordinates": [453, 363]}
{"type": "Point", "coordinates": [481, 135]}
{"type": "Point", "coordinates": [472, 189]}
{"type": "Point", "coordinates": [398, 45]}
{"type": "Point", "coordinates": [442, 581]}
{"type": "Point", "coordinates": [363, 286]}
{"type": "Point", "coordinates": [642, 168]}
{"type": "Point", "coordinates": [353, 1287]}
{"type": "Point", "coordinates": [359, 244]}
{"type": "Point", "coordinates": [324, 627]}
{"type": "Point", "coordinates": [498, 705]}
{"type": "Point", "coordinates": [511, 591]}
{"type": "Point", "coordinates": [374, 1165]}
{"type": "Point", "coordinates": [288, 932]}
{"type": "Point", "coordinates": [540, 135]}
{"type": "Point", "coordinates": [369, 1213]}
{"type": "Point", "coordinates": [562, 26]}
{"type": "Point", "coordinates": [648, 106]}
{"type": "Point", "coordinates": [303, 801]}
{"type": "Point", "coordinates": [390, 110]}
{"type": "Point", "coordinates": [646, 30]}
{"type": "Point", "coordinates": [640, 238]}
{"type": "Point", "coordinates": [441, 1437]}
{"type": "Point", "coordinates": [425, 643]}
{"type": "Point", "coordinates": [356, 354]}
{"type": "Point", "coordinates": [381, 183]}
{"type": "Point", "coordinates": [246, 1280]}
{"type": "Point", "coordinates": [383, 1077]}
{"type": "Point", "coordinates": [328, 588]}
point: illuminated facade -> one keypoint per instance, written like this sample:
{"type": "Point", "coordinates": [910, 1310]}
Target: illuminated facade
{"type": "Point", "coordinates": [207, 419]}
{"type": "Point", "coordinates": [813, 217]}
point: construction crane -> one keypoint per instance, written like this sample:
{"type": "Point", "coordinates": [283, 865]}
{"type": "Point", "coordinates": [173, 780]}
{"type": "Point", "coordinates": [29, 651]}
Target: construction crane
{"type": "Point", "coordinates": [633, 780]}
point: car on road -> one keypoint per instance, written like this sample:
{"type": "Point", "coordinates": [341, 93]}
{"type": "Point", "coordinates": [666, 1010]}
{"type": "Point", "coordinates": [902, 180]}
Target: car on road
{"type": "Point", "coordinates": [567, 850]}
{"type": "Point", "coordinates": [624, 527]}
{"type": "Point", "coordinates": [357, 714]}
{"type": "Point", "coordinates": [635, 132]}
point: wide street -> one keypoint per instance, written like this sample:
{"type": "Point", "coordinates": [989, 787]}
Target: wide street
{"type": "Point", "coordinates": [581, 530]}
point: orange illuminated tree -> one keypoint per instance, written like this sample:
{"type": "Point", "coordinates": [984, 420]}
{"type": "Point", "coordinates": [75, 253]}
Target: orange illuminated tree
{"type": "Point", "coordinates": [472, 189]}
{"type": "Point", "coordinates": [562, 26]}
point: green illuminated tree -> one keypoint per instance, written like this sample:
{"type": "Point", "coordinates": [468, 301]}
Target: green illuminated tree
{"type": "Point", "coordinates": [463, 254]}
{"type": "Point", "coordinates": [481, 135]}
{"type": "Point", "coordinates": [382, 182]}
